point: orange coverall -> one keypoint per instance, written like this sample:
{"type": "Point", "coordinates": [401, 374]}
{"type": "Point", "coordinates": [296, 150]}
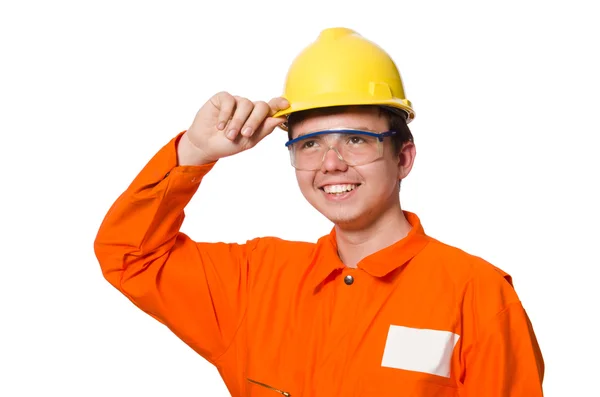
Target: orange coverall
{"type": "Point", "coordinates": [418, 318]}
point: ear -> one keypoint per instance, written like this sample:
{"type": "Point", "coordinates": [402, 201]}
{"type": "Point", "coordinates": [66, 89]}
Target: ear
{"type": "Point", "coordinates": [406, 159]}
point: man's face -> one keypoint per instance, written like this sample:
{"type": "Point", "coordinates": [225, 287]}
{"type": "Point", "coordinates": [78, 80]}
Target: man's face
{"type": "Point", "coordinates": [374, 186]}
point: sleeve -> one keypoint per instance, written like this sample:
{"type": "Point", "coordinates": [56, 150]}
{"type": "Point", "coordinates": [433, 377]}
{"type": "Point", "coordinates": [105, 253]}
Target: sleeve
{"type": "Point", "coordinates": [506, 361]}
{"type": "Point", "coordinates": [502, 357]}
{"type": "Point", "coordinates": [198, 290]}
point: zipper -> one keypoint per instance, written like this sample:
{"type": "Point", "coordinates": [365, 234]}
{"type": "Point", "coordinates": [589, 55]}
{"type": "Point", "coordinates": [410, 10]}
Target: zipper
{"type": "Point", "coordinates": [286, 394]}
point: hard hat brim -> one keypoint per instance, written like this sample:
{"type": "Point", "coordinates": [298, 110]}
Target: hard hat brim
{"type": "Point", "coordinates": [395, 104]}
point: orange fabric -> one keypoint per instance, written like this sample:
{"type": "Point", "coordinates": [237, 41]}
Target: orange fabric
{"type": "Point", "coordinates": [279, 313]}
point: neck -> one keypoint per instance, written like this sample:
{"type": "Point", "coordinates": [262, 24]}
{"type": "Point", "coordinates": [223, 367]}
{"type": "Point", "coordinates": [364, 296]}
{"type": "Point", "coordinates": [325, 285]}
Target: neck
{"type": "Point", "coordinates": [356, 244]}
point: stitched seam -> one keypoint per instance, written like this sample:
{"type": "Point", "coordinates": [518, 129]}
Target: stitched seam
{"type": "Point", "coordinates": [494, 318]}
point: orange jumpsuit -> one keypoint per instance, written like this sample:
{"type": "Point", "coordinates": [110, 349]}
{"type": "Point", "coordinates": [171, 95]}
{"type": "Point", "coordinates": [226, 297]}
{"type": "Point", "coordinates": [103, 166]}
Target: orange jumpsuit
{"type": "Point", "coordinates": [418, 318]}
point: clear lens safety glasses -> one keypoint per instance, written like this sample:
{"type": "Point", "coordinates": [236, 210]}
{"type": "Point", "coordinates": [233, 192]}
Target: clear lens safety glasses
{"type": "Point", "coordinates": [354, 147]}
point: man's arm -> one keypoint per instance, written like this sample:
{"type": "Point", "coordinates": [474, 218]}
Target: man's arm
{"type": "Point", "coordinates": [198, 290]}
{"type": "Point", "coordinates": [500, 353]}
{"type": "Point", "coordinates": [506, 360]}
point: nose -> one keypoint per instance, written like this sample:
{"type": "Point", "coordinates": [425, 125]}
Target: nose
{"type": "Point", "coordinates": [333, 161]}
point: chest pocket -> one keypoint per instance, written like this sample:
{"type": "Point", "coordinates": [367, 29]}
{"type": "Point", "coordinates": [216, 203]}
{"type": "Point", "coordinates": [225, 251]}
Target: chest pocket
{"type": "Point", "coordinates": [415, 362]}
{"type": "Point", "coordinates": [389, 382]}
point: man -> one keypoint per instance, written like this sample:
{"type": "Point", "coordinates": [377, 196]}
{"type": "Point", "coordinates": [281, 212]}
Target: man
{"type": "Point", "coordinates": [377, 307]}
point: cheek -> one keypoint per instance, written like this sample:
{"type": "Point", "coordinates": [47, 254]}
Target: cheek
{"type": "Point", "coordinates": [305, 181]}
{"type": "Point", "coordinates": [381, 180]}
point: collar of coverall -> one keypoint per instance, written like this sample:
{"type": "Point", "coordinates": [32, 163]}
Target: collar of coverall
{"type": "Point", "coordinates": [326, 261]}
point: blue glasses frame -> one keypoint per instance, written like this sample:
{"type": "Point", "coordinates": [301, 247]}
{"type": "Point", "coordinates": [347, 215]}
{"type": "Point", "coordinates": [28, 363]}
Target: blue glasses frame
{"type": "Point", "coordinates": [378, 135]}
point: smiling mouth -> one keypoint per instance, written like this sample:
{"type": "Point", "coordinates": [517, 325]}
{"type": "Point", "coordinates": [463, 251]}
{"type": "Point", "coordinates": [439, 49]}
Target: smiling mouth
{"type": "Point", "coordinates": [339, 189]}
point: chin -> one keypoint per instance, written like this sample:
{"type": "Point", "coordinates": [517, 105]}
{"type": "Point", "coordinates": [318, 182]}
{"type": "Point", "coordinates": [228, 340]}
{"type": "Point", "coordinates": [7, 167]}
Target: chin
{"type": "Point", "coordinates": [347, 218]}
{"type": "Point", "coordinates": [348, 211]}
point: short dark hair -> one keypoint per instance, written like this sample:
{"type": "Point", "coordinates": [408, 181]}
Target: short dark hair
{"type": "Point", "coordinates": [396, 121]}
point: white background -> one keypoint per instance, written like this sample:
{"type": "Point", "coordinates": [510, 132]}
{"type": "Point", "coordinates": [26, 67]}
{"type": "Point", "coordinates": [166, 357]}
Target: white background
{"type": "Point", "coordinates": [506, 95]}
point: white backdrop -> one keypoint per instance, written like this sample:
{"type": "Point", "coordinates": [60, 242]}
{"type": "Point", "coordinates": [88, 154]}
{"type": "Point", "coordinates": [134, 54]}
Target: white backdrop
{"type": "Point", "coordinates": [506, 96]}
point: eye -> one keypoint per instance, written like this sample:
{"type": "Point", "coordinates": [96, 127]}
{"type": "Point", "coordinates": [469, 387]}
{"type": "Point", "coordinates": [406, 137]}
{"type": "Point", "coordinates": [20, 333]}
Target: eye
{"type": "Point", "coordinates": [308, 144]}
{"type": "Point", "coordinates": [356, 140]}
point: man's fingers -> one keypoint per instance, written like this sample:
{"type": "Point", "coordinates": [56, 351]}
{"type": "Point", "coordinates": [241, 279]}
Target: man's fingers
{"type": "Point", "coordinates": [270, 123]}
{"type": "Point", "coordinates": [277, 104]}
{"type": "Point", "coordinates": [252, 120]}
{"type": "Point", "coordinates": [266, 128]}
{"type": "Point", "coordinates": [261, 110]}
{"type": "Point", "coordinates": [225, 102]}
{"type": "Point", "coordinates": [243, 109]}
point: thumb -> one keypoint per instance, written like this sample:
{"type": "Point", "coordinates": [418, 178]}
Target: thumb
{"type": "Point", "coordinates": [273, 122]}
{"type": "Point", "coordinates": [277, 104]}
{"type": "Point", "coordinates": [268, 125]}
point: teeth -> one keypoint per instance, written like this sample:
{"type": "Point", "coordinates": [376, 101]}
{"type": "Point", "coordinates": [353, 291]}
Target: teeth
{"type": "Point", "coordinates": [337, 189]}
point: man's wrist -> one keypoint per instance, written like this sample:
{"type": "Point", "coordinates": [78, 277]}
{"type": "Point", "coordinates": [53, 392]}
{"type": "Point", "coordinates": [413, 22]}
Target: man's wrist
{"type": "Point", "coordinates": [189, 154]}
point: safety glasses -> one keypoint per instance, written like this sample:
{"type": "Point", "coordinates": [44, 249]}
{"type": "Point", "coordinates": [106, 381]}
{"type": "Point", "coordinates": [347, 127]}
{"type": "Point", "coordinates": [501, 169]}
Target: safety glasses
{"type": "Point", "coordinates": [354, 147]}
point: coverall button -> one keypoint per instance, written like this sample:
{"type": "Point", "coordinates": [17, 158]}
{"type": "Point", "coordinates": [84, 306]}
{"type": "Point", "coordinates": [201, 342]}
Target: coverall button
{"type": "Point", "coordinates": [349, 280]}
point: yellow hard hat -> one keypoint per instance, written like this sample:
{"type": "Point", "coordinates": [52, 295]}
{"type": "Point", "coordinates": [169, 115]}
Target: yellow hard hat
{"type": "Point", "coordinates": [343, 68]}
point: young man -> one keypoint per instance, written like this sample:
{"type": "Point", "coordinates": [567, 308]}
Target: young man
{"type": "Point", "coordinates": [377, 307]}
